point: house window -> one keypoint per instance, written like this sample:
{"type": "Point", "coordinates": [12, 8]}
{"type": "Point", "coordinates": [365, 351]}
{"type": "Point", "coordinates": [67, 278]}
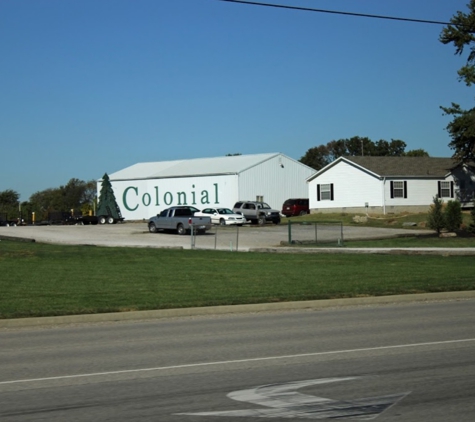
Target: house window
{"type": "Point", "coordinates": [325, 192]}
{"type": "Point", "coordinates": [399, 189]}
{"type": "Point", "coordinates": [446, 189]}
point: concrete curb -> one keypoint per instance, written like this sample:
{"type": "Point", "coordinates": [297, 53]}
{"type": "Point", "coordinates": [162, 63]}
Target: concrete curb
{"type": "Point", "coordinates": [374, 251]}
{"type": "Point", "coordinates": [233, 309]}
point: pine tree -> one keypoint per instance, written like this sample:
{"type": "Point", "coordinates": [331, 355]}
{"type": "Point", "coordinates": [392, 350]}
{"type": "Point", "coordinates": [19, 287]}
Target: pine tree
{"type": "Point", "coordinates": [107, 203]}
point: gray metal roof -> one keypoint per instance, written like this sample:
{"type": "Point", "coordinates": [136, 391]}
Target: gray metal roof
{"type": "Point", "coordinates": [193, 167]}
{"type": "Point", "coordinates": [406, 166]}
{"type": "Point", "coordinates": [397, 166]}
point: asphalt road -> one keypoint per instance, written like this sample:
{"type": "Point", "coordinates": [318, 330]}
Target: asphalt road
{"type": "Point", "coordinates": [406, 362]}
{"type": "Point", "coordinates": [228, 238]}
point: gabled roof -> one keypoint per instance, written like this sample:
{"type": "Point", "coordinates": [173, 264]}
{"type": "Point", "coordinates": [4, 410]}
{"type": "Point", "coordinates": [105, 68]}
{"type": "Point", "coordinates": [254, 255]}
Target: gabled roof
{"type": "Point", "coordinates": [234, 164]}
{"type": "Point", "coordinates": [398, 166]}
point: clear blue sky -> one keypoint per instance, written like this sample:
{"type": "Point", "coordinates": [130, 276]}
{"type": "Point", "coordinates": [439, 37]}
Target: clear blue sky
{"type": "Point", "coordinates": [94, 86]}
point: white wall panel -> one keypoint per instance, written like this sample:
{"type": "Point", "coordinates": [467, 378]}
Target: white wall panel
{"type": "Point", "coordinates": [352, 187]}
{"type": "Point", "coordinates": [142, 199]}
{"type": "Point", "coordinates": [277, 179]}
{"type": "Point", "coordinates": [419, 192]}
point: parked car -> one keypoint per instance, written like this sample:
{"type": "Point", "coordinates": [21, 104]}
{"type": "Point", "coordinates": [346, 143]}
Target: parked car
{"type": "Point", "coordinates": [257, 212]}
{"type": "Point", "coordinates": [295, 206]}
{"type": "Point", "coordinates": [223, 216]}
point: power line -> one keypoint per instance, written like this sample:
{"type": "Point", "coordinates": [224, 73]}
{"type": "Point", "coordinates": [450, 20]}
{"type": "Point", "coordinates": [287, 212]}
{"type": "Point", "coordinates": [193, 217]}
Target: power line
{"type": "Point", "coordinates": [335, 12]}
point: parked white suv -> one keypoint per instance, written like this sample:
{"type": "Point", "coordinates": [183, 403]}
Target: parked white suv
{"type": "Point", "coordinates": [257, 212]}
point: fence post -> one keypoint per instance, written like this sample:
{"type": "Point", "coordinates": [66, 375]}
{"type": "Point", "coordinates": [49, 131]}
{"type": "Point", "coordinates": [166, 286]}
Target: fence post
{"type": "Point", "coordinates": [237, 238]}
{"type": "Point", "coordinates": [289, 229]}
{"type": "Point", "coordinates": [192, 237]}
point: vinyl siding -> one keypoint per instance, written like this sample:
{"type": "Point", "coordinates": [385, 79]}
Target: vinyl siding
{"type": "Point", "coordinates": [419, 191]}
{"type": "Point", "coordinates": [352, 187]}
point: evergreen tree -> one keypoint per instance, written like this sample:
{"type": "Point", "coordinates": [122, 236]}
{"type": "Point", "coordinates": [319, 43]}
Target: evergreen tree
{"type": "Point", "coordinates": [107, 203]}
{"type": "Point", "coordinates": [435, 218]}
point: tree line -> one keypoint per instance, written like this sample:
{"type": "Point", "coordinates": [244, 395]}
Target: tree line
{"type": "Point", "coordinates": [77, 195]}
{"type": "Point", "coordinates": [319, 156]}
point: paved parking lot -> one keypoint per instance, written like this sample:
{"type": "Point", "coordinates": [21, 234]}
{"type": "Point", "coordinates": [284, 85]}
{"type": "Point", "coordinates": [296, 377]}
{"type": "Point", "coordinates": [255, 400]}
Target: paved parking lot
{"type": "Point", "coordinates": [228, 238]}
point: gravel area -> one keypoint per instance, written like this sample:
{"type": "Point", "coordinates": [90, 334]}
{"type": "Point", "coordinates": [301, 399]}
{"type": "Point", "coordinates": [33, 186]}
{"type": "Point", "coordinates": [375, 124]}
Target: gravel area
{"type": "Point", "coordinates": [227, 238]}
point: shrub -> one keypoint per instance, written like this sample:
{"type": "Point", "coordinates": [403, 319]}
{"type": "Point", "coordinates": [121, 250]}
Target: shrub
{"type": "Point", "coordinates": [435, 217]}
{"type": "Point", "coordinates": [453, 216]}
{"type": "Point", "coordinates": [471, 227]}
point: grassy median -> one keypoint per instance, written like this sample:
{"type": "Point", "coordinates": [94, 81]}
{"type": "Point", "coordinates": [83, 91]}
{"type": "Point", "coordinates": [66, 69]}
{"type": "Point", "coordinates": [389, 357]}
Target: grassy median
{"type": "Point", "coordinates": [41, 280]}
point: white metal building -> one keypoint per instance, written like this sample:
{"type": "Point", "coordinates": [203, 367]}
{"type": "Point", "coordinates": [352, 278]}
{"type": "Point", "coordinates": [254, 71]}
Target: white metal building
{"type": "Point", "coordinates": [144, 189]}
{"type": "Point", "coordinates": [389, 184]}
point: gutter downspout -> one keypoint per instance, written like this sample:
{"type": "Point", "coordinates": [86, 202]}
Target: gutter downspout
{"type": "Point", "coordinates": [384, 196]}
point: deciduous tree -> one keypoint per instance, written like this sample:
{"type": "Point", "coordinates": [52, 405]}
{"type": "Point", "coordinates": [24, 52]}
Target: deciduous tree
{"type": "Point", "coordinates": [76, 195]}
{"type": "Point", "coordinates": [318, 157]}
{"type": "Point", "coordinates": [9, 203]}
{"type": "Point", "coordinates": [416, 153]}
{"type": "Point", "coordinates": [9, 197]}
{"type": "Point", "coordinates": [461, 33]}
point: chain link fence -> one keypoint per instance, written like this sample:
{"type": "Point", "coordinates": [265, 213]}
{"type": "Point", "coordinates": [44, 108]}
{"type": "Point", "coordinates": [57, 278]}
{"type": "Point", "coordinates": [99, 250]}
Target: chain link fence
{"type": "Point", "coordinates": [219, 238]}
{"type": "Point", "coordinates": [328, 233]}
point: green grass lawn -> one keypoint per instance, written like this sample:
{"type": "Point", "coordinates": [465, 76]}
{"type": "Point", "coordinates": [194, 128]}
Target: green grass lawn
{"type": "Point", "coordinates": [396, 221]}
{"type": "Point", "coordinates": [41, 279]}
{"type": "Point", "coordinates": [414, 242]}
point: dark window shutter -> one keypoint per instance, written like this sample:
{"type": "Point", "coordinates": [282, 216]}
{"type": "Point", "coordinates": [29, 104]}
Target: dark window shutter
{"type": "Point", "coordinates": [451, 189]}
{"type": "Point", "coordinates": [392, 189]}
{"type": "Point", "coordinates": [439, 191]}
{"type": "Point", "coordinates": [318, 192]}
{"type": "Point", "coordinates": [331, 191]}
{"type": "Point", "coordinates": [405, 189]}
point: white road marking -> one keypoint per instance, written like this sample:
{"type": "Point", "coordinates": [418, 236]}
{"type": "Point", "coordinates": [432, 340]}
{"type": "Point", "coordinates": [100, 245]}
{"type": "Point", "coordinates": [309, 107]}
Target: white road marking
{"type": "Point", "coordinates": [227, 362]}
{"type": "Point", "coordinates": [280, 401]}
